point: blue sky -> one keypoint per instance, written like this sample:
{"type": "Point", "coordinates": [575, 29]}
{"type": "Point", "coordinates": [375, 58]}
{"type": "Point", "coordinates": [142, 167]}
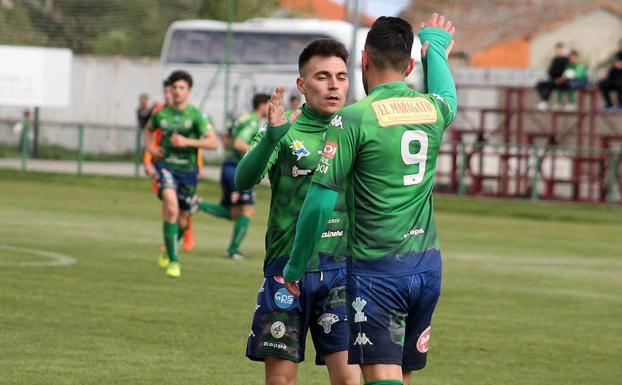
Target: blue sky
{"type": "Point", "coordinates": [380, 7]}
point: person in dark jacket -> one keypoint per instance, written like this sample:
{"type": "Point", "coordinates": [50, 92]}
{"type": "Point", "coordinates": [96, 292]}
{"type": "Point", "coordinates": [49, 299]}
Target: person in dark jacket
{"type": "Point", "coordinates": [556, 79]}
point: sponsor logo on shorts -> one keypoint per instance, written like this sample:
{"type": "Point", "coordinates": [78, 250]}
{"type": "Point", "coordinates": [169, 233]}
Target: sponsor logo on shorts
{"type": "Point", "coordinates": [296, 172]}
{"type": "Point", "coordinates": [337, 121]}
{"type": "Point", "coordinates": [257, 306]}
{"type": "Point", "coordinates": [251, 334]}
{"type": "Point", "coordinates": [299, 149]}
{"type": "Point", "coordinates": [283, 299]}
{"type": "Point", "coordinates": [276, 345]}
{"type": "Point", "coordinates": [279, 279]}
{"type": "Point", "coordinates": [277, 329]}
{"type": "Point", "coordinates": [361, 339]}
{"type": "Point", "coordinates": [330, 149]}
{"type": "Point", "coordinates": [262, 288]}
{"type": "Point", "coordinates": [332, 234]}
{"type": "Point", "coordinates": [424, 341]}
{"type": "Point", "coordinates": [358, 304]}
{"type": "Point", "coordinates": [414, 233]}
{"type": "Point", "coordinates": [327, 320]}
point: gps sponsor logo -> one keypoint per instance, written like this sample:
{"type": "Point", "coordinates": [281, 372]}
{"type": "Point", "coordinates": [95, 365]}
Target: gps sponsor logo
{"type": "Point", "coordinates": [277, 329]}
{"type": "Point", "coordinates": [414, 233]}
{"type": "Point", "coordinates": [330, 149]}
{"type": "Point", "coordinates": [361, 339]}
{"type": "Point", "coordinates": [337, 121]}
{"type": "Point", "coordinates": [424, 341]}
{"type": "Point", "coordinates": [332, 234]}
{"type": "Point", "coordinates": [296, 172]}
{"type": "Point", "coordinates": [275, 345]}
{"type": "Point", "coordinates": [398, 111]}
{"type": "Point", "coordinates": [299, 149]}
{"type": "Point", "coordinates": [283, 299]}
{"type": "Point", "coordinates": [327, 320]}
{"type": "Point", "coordinates": [358, 304]}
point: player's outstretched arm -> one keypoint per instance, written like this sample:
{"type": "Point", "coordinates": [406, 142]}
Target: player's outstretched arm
{"type": "Point", "coordinates": [436, 36]}
{"type": "Point", "coordinates": [316, 210]}
{"type": "Point", "coordinates": [251, 168]}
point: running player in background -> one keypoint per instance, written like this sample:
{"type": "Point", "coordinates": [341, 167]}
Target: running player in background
{"type": "Point", "coordinates": [238, 206]}
{"type": "Point", "coordinates": [150, 170]}
{"type": "Point", "coordinates": [294, 104]}
{"type": "Point", "coordinates": [184, 130]}
{"type": "Point", "coordinates": [289, 154]}
{"type": "Point", "coordinates": [382, 152]}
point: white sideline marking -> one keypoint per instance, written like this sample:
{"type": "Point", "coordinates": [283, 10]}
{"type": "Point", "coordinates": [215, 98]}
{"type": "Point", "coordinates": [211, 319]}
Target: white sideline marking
{"type": "Point", "coordinates": [56, 258]}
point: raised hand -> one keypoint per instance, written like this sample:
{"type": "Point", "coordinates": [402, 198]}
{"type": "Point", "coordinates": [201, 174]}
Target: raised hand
{"type": "Point", "coordinates": [439, 22]}
{"type": "Point", "coordinates": [276, 108]}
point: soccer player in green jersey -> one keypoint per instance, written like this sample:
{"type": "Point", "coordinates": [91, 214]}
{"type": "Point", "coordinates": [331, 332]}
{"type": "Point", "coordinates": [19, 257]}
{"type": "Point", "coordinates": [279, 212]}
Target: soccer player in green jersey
{"type": "Point", "coordinates": [289, 154]}
{"type": "Point", "coordinates": [238, 205]}
{"type": "Point", "coordinates": [381, 151]}
{"type": "Point", "coordinates": [184, 130]}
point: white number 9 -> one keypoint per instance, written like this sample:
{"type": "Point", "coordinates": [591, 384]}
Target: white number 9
{"type": "Point", "coordinates": [419, 158]}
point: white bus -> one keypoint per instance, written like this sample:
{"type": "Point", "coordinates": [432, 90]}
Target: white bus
{"type": "Point", "coordinates": [265, 54]}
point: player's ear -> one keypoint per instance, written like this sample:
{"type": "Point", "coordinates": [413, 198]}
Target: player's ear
{"type": "Point", "coordinates": [411, 66]}
{"type": "Point", "coordinates": [300, 84]}
{"type": "Point", "coordinates": [364, 60]}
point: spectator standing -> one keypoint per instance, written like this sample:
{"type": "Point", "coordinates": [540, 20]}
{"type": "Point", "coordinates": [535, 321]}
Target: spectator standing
{"type": "Point", "coordinates": [613, 81]}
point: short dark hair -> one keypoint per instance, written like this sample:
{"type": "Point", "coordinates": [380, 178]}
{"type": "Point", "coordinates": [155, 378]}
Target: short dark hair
{"type": "Point", "coordinates": [324, 48]}
{"type": "Point", "coordinates": [294, 97]}
{"type": "Point", "coordinates": [559, 44]}
{"type": "Point", "coordinates": [180, 75]}
{"type": "Point", "coordinates": [260, 99]}
{"type": "Point", "coordinates": [573, 53]}
{"type": "Point", "coordinates": [166, 83]}
{"type": "Point", "coordinates": [389, 43]}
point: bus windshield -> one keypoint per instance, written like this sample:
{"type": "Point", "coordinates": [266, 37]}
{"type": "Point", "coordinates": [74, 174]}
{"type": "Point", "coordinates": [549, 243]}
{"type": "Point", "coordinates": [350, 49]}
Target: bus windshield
{"type": "Point", "coordinates": [208, 47]}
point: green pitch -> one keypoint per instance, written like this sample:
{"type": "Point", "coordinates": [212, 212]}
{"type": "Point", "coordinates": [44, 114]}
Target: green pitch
{"type": "Point", "coordinates": [532, 292]}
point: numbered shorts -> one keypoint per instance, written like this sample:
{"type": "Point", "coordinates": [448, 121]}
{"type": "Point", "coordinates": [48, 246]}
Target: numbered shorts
{"type": "Point", "coordinates": [281, 321]}
{"type": "Point", "coordinates": [183, 182]}
{"type": "Point", "coordinates": [227, 182]}
{"type": "Point", "coordinates": [390, 318]}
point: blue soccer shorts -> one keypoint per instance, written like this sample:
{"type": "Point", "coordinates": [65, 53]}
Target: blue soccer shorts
{"type": "Point", "coordinates": [183, 182]}
{"type": "Point", "coordinates": [281, 321]}
{"type": "Point", "coordinates": [227, 182]}
{"type": "Point", "coordinates": [390, 318]}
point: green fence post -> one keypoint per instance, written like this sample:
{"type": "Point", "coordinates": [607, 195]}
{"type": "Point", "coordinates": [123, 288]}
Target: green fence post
{"type": "Point", "coordinates": [80, 148]}
{"type": "Point", "coordinates": [534, 176]}
{"type": "Point", "coordinates": [463, 161]}
{"type": "Point", "coordinates": [25, 141]}
{"type": "Point", "coordinates": [138, 156]}
{"type": "Point", "coordinates": [613, 174]}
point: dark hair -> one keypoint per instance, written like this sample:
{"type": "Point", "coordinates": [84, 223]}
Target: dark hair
{"type": "Point", "coordinates": [324, 48]}
{"type": "Point", "coordinates": [260, 99]}
{"type": "Point", "coordinates": [166, 83]}
{"type": "Point", "coordinates": [573, 53]}
{"type": "Point", "coordinates": [294, 97]}
{"type": "Point", "coordinates": [180, 75]}
{"type": "Point", "coordinates": [559, 44]}
{"type": "Point", "coordinates": [389, 43]}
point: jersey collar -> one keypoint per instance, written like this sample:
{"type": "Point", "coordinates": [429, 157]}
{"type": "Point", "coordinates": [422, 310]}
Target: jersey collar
{"type": "Point", "coordinates": [389, 86]}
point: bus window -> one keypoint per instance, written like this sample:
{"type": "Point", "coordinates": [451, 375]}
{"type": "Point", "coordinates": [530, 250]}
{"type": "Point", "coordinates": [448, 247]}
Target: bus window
{"type": "Point", "coordinates": [208, 47]}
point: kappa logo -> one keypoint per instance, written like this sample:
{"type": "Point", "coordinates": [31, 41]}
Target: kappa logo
{"type": "Point", "coordinates": [257, 306]}
{"type": "Point", "coordinates": [268, 344]}
{"type": "Point", "coordinates": [263, 128]}
{"type": "Point", "coordinates": [299, 149]}
{"type": "Point", "coordinates": [337, 121]}
{"type": "Point", "coordinates": [277, 329]}
{"type": "Point", "coordinates": [361, 339]}
{"type": "Point", "coordinates": [283, 299]}
{"type": "Point", "coordinates": [423, 342]}
{"type": "Point", "coordinates": [414, 233]}
{"type": "Point", "coordinates": [330, 149]}
{"type": "Point", "coordinates": [358, 306]}
{"type": "Point", "coordinates": [327, 320]}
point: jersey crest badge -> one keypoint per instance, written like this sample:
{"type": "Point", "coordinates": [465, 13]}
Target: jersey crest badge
{"type": "Point", "coordinates": [358, 304]}
{"type": "Point", "coordinates": [277, 329]}
{"type": "Point", "coordinates": [163, 124]}
{"type": "Point", "coordinates": [187, 123]}
{"type": "Point", "coordinates": [299, 149]}
{"type": "Point", "coordinates": [336, 122]}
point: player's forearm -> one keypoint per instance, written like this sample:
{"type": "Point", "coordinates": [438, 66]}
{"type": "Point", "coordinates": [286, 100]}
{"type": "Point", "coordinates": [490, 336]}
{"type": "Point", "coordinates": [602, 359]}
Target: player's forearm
{"type": "Point", "coordinates": [439, 78]}
{"type": "Point", "coordinates": [207, 142]}
{"type": "Point", "coordinates": [316, 210]}
{"type": "Point", "coordinates": [240, 146]}
{"type": "Point", "coordinates": [148, 139]}
{"type": "Point", "coordinates": [252, 166]}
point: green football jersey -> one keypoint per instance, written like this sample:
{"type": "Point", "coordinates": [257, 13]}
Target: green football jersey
{"type": "Point", "coordinates": [385, 147]}
{"type": "Point", "coordinates": [245, 128]}
{"type": "Point", "coordinates": [189, 122]}
{"type": "Point", "coordinates": [290, 169]}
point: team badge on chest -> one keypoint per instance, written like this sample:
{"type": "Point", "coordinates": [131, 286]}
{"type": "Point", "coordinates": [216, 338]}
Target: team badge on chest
{"type": "Point", "coordinates": [299, 149]}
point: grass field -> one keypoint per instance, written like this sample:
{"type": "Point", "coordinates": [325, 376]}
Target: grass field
{"type": "Point", "coordinates": [532, 292]}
